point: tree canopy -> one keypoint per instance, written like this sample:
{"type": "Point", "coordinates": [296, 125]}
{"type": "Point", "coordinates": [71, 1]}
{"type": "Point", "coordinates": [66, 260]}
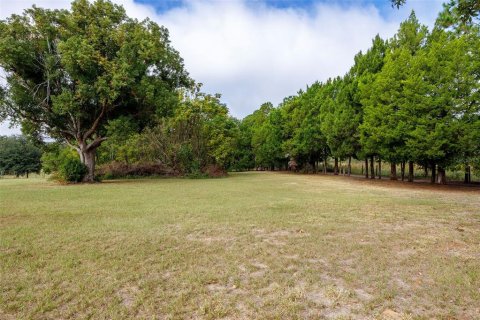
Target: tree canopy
{"type": "Point", "coordinates": [409, 99]}
{"type": "Point", "coordinates": [18, 156]}
{"type": "Point", "coordinates": [69, 71]}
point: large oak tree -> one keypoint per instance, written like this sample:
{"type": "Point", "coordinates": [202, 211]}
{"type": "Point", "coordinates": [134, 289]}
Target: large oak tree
{"type": "Point", "coordinates": [69, 72]}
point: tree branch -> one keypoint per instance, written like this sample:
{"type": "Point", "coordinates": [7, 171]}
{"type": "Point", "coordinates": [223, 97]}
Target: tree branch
{"type": "Point", "coordinates": [95, 123]}
{"type": "Point", "coordinates": [95, 143]}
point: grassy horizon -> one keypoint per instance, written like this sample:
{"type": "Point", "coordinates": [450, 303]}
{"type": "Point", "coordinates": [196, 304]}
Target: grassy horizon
{"type": "Point", "coordinates": [256, 245]}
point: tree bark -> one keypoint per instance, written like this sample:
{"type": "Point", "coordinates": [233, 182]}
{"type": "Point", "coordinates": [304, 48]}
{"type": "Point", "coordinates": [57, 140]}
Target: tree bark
{"type": "Point", "coordinates": [402, 170]}
{"type": "Point", "coordinates": [366, 167]}
{"type": "Point", "coordinates": [325, 166]}
{"type": "Point", "coordinates": [88, 157]}
{"type": "Point", "coordinates": [379, 168]}
{"type": "Point", "coordinates": [393, 171]}
{"type": "Point", "coordinates": [335, 168]}
{"type": "Point", "coordinates": [410, 171]}
{"type": "Point", "coordinates": [441, 178]}
{"type": "Point", "coordinates": [468, 174]}
{"type": "Point", "coordinates": [432, 178]}
{"type": "Point", "coordinates": [372, 169]}
{"type": "Point", "coordinates": [349, 165]}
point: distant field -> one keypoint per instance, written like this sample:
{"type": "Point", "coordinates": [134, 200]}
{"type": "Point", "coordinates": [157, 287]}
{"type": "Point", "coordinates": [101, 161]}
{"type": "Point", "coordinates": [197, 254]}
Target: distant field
{"type": "Point", "coordinates": [254, 245]}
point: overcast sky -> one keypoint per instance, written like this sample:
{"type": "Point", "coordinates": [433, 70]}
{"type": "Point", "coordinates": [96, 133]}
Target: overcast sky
{"type": "Point", "coordinates": [253, 51]}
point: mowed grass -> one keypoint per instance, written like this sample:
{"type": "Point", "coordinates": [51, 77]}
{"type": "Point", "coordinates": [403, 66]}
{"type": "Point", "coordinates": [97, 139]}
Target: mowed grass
{"type": "Point", "coordinates": [250, 246]}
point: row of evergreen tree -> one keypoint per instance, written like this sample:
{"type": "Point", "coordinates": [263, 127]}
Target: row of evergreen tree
{"type": "Point", "coordinates": [412, 99]}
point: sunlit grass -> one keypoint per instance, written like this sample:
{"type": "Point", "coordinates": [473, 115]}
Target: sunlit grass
{"type": "Point", "coordinates": [253, 245]}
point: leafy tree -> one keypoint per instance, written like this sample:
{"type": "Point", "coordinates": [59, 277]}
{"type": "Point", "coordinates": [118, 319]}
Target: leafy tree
{"type": "Point", "coordinates": [54, 155]}
{"type": "Point", "coordinates": [398, 3]}
{"type": "Point", "coordinates": [267, 140]}
{"type": "Point", "coordinates": [307, 143]}
{"type": "Point", "coordinates": [364, 72]}
{"type": "Point", "coordinates": [68, 72]}
{"type": "Point", "coordinates": [387, 122]}
{"type": "Point", "coordinates": [243, 156]}
{"type": "Point", "coordinates": [457, 13]}
{"type": "Point", "coordinates": [199, 134]}
{"type": "Point", "coordinates": [444, 102]}
{"type": "Point", "coordinates": [18, 156]}
{"type": "Point", "coordinates": [118, 147]}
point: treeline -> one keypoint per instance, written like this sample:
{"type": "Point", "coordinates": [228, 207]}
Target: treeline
{"type": "Point", "coordinates": [197, 140]}
{"type": "Point", "coordinates": [409, 100]}
{"type": "Point", "coordinates": [18, 156]}
{"type": "Point", "coordinates": [116, 98]}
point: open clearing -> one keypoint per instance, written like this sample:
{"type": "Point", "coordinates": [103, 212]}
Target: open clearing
{"type": "Point", "coordinates": [250, 246]}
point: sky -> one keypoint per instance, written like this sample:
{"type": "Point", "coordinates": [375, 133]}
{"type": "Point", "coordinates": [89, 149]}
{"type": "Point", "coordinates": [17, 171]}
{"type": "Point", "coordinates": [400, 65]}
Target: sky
{"type": "Point", "coordinates": [254, 51]}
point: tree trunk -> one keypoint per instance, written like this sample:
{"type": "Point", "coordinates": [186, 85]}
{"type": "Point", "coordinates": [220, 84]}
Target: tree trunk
{"type": "Point", "coordinates": [468, 175]}
{"type": "Point", "coordinates": [410, 171]}
{"type": "Point", "coordinates": [379, 168]}
{"type": "Point", "coordinates": [372, 169]}
{"type": "Point", "coordinates": [432, 179]}
{"type": "Point", "coordinates": [349, 166]}
{"type": "Point", "coordinates": [393, 171]}
{"type": "Point", "coordinates": [325, 166]}
{"type": "Point", "coordinates": [402, 169]}
{"type": "Point", "coordinates": [87, 157]}
{"type": "Point", "coordinates": [335, 168]}
{"type": "Point", "coordinates": [441, 179]}
{"type": "Point", "coordinates": [366, 167]}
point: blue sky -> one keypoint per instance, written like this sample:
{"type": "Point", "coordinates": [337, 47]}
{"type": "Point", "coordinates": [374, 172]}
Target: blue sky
{"type": "Point", "coordinates": [384, 6]}
{"type": "Point", "coordinates": [254, 51]}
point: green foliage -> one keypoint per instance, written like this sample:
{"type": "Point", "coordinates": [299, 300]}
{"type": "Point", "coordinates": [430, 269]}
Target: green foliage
{"type": "Point", "coordinates": [55, 155]}
{"type": "Point", "coordinates": [69, 71]}
{"type": "Point", "coordinates": [267, 139]}
{"type": "Point", "coordinates": [411, 98]}
{"type": "Point", "coordinates": [387, 121]}
{"type": "Point", "coordinates": [63, 163]}
{"type": "Point", "coordinates": [198, 135]}
{"type": "Point", "coordinates": [18, 156]}
{"type": "Point", "coordinates": [398, 3]}
{"type": "Point", "coordinates": [72, 170]}
{"type": "Point", "coordinates": [119, 145]}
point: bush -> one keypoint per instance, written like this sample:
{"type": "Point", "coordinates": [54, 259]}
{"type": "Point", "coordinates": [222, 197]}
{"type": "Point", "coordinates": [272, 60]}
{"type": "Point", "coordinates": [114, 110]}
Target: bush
{"type": "Point", "coordinates": [114, 170]}
{"type": "Point", "coordinates": [55, 156]}
{"type": "Point", "coordinates": [72, 170]}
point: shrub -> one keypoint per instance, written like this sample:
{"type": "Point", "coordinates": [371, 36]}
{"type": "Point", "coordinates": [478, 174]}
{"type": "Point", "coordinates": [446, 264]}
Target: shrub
{"type": "Point", "coordinates": [115, 170]}
{"type": "Point", "coordinates": [72, 170]}
{"type": "Point", "coordinates": [55, 156]}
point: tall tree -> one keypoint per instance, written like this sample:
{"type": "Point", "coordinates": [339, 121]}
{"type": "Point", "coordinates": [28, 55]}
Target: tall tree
{"type": "Point", "coordinates": [18, 156]}
{"type": "Point", "coordinates": [444, 102]}
{"type": "Point", "coordinates": [267, 141]}
{"type": "Point", "coordinates": [364, 72]}
{"type": "Point", "coordinates": [305, 141]}
{"type": "Point", "coordinates": [68, 72]}
{"type": "Point", "coordinates": [387, 122]}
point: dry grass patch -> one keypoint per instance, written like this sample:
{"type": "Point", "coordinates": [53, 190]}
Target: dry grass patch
{"type": "Point", "coordinates": [251, 246]}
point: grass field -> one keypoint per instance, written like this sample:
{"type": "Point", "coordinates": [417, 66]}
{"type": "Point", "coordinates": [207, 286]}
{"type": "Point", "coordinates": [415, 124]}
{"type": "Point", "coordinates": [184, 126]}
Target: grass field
{"type": "Point", "coordinates": [250, 246]}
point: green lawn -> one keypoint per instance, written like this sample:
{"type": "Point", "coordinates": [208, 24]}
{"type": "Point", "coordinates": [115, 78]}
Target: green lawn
{"type": "Point", "coordinates": [250, 246]}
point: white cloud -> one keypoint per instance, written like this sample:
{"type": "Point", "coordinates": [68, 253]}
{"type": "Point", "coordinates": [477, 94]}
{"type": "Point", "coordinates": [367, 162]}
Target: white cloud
{"type": "Point", "coordinates": [252, 53]}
